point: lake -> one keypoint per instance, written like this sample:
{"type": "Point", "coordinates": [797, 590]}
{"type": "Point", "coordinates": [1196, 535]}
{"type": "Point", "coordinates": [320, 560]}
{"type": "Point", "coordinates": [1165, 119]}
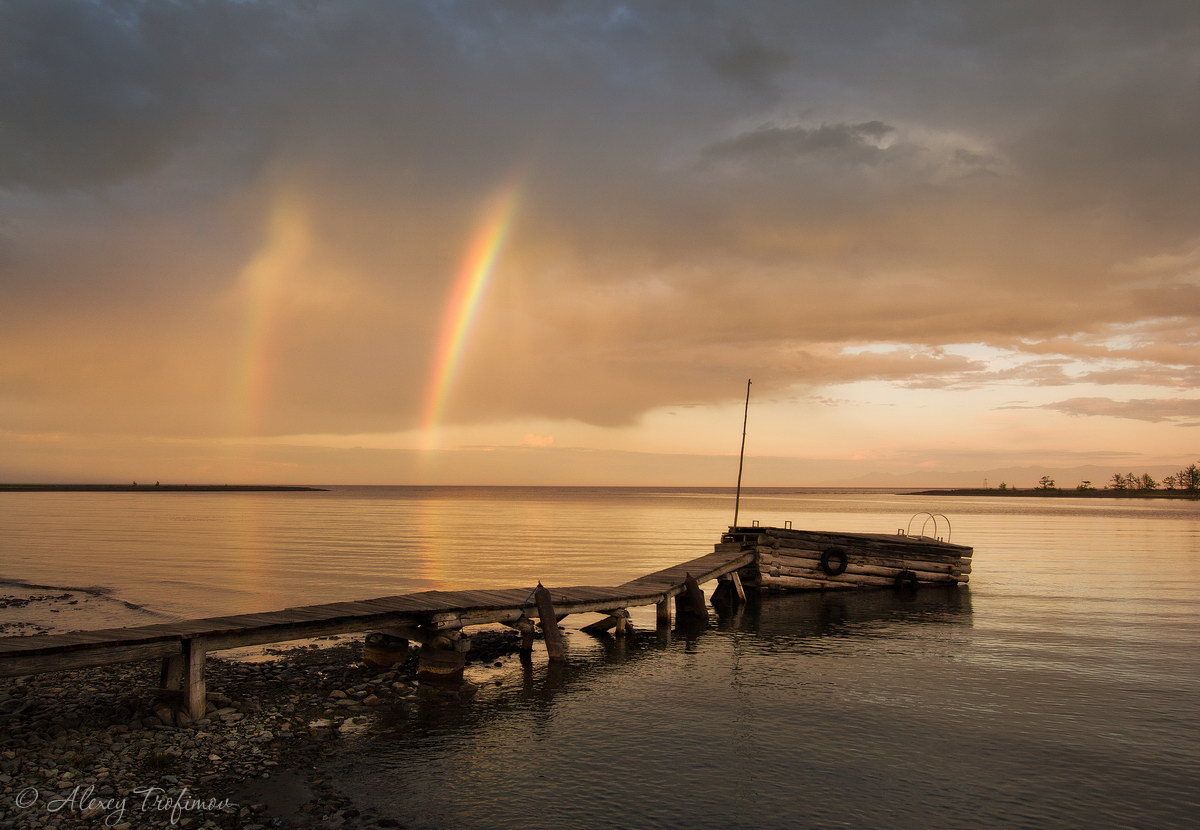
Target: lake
{"type": "Point", "coordinates": [1059, 689]}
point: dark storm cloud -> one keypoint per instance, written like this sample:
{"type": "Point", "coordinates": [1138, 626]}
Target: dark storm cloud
{"type": "Point", "coordinates": [94, 93]}
{"type": "Point", "coordinates": [748, 59]}
{"type": "Point", "coordinates": [708, 190]}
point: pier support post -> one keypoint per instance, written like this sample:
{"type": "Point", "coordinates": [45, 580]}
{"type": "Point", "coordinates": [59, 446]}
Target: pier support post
{"type": "Point", "coordinates": [662, 613]}
{"type": "Point", "coordinates": [525, 626]}
{"type": "Point", "coordinates": [384, 649]}
{"type": "Point", "coordinates": [192, 679]}
{"type": "Point", "coordinates": [729, 593]}
{"type": "Point", "coordinates": [171, 675]}
{"type": "Point", "coordinates": [556, 645]}
{"type": "Point", "coordinates": [443, 657]}
{"type": "Point", "coordinates": [690, 603]}
{"type": "Point", "coordinates": [440, 665]}
{"type": "Point", "coordinates": [737, 586]}
{"type": "Point", "coordinates": [622, 624]}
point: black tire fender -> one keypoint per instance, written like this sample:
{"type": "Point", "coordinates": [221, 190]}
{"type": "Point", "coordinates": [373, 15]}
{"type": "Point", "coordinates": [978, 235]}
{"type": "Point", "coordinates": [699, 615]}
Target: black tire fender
{"type": "Point", "coordinates": [834, 561]}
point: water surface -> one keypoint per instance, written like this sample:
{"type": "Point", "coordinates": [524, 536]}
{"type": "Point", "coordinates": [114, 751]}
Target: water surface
{"type": "Point", "coordinates": [1058, 690]}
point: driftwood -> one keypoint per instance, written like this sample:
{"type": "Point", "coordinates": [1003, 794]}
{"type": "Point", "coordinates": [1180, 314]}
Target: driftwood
{"type": "Point", "coordinates": [617, 619]}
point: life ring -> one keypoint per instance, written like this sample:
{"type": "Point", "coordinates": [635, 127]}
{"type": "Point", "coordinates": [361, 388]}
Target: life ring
{"type": "Point", "coordinates": [907, 581]}
{"type": "Point", "coordinates": [834, 561]}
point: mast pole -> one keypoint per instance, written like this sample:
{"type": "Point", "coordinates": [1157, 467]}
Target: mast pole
{"type": "Point", "coordinates": [737, 501]}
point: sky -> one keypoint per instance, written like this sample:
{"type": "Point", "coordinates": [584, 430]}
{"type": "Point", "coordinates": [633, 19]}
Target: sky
{"type": "Point", "coordinates": [548, 242]}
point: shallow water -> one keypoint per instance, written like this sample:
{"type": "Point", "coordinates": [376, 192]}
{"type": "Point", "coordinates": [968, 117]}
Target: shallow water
{"type": "Point", "coordinates": [1059, 690]}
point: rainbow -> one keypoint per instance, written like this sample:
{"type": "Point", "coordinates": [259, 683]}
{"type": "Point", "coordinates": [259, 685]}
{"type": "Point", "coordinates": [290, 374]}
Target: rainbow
{"type": "Point", "coordinates": [470, 283]}
{"type": "Point", "coordinates": [263, 285]}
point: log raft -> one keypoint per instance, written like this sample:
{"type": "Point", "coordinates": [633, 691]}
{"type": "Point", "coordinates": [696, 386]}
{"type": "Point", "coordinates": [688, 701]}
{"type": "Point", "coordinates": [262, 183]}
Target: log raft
{"type": "Point", "coordinates": [791, 560]}
{"type": "Point", "coordinates": [748, 560]}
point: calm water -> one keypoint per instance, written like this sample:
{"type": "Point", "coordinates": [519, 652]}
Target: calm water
{"type": "Point", "coordinates": [1060, 690]}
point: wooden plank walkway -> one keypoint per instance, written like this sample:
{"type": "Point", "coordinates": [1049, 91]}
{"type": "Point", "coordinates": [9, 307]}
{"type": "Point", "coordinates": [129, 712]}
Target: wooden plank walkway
{"type": "Point", "coordinates": [426, 611]}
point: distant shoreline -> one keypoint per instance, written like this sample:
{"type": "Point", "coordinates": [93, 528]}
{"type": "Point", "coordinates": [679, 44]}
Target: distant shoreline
{"type": "Point", "coordinates": [1063, 494]}
{"type": "Point", "coordinates": [155, 488]}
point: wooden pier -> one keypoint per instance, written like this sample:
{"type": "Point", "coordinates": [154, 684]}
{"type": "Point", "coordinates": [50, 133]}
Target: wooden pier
{"type": "Point", "coordinates": [434, 619]}
{"type": "Point", "coordinates": [761, 559]}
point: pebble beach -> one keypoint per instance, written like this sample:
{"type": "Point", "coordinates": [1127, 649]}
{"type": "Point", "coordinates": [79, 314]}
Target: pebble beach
{"type": "Point", "coordinates": [92, 747]}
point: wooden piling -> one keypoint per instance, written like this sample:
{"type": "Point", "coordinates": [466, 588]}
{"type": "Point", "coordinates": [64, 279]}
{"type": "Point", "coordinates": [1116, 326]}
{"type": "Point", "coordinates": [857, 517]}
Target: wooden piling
{"type": "Point", "coordinates": [171, 675]}
{"type": "Point", "coordinates": [192, 683]}
{"type": "Point", "coordinates": [556, 645]}
{"type": "Point", "coordinates": [525, 626]}
{"type": "Point", "coordinates": [384, 649]}
{"type": "Point", "coordinates": [693, 599]}
{"type": "Point", "coordinates": [662, 613]}
{"type": "Point", "coordinates": [440, 665]}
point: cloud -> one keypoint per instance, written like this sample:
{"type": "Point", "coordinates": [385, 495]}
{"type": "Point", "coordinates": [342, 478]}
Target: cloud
{"type": "Point", "coordinates": [855, 143]}
{"type": "Point", "coordinates": [95, 93]}
{"type": "Point", "coordinates": [706, 193]}
{"type": "Point", "coordinates": [533, 439]}
{"type": "Point", "coordinates": [1181, 411]}
{"type": "Point", "coordinates": [748, 59]}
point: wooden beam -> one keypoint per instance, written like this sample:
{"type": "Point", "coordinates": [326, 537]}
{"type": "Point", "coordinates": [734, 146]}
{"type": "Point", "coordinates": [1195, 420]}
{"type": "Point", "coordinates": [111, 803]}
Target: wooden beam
{"type": "Point", "coordinates": [192, 681]}
{"type": "Point", "coordinates": [104, 655]}
{"type": "Point", "coordinates": [737, 586]}
{"type": "Point", "coordinates": [617, 619]}
{"type": "Point", "coordinates": [556, 645]}
{"type": "Point", "coordinates": [170, 676]}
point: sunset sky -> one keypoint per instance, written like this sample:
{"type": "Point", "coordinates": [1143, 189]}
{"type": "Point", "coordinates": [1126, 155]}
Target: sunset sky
{"type": "Point", "coordinates": [543, 242]}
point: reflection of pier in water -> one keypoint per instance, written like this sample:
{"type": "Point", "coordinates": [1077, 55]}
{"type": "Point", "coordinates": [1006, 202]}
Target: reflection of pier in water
{"type": "Point", "coordinates": [791, 618]}
{"type": "Point", "coordinates": [573, 732]}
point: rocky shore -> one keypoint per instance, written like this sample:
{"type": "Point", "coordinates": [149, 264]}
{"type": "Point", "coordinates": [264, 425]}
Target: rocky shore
{"type": "Point", "coordinates": [90, 748]}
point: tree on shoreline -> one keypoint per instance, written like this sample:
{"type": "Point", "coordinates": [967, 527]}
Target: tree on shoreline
{"type": "Point", "coordinates": [1187, 478]}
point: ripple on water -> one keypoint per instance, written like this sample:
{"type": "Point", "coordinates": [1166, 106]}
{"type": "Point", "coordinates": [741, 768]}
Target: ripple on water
{"type": "Point", "coordinates": [1060, 690]}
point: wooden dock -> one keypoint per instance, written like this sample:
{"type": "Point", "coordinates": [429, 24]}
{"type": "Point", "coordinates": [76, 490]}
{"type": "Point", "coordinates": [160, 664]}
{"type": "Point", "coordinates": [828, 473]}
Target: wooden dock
{"type": "Point", "coordinates": [434, 619]}
{"type": "Point", "coordinates": [766, 559]}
